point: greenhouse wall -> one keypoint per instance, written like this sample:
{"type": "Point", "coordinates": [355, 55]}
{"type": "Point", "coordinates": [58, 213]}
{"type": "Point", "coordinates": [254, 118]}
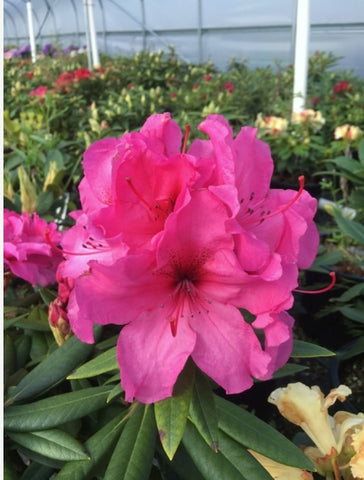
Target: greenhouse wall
{"type": "Point", "coordinates": [260, 31]}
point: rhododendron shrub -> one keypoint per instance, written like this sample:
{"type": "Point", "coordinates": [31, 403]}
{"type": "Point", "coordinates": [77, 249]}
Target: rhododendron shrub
{"type": "Point", "coordinates": [27, 253]}
{"type": "Point", "coordinates": [173, 244]}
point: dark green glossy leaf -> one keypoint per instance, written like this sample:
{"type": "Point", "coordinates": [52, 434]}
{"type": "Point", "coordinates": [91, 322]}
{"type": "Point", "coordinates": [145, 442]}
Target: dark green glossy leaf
{"type": "Point", "coordinates": [8, 470]}
{"type": "Point", "coordinates": [255, 434]}
{"type": "Point", "coordinates": [99, 447]}
{"type": "Point", "coordinates": [52, 370]}
{"type": "Point", "coordinates": [203, 411]}
{"type": "Point", "coordinates": [35, 471]}
{"type": "Point", "coordinates": [105, 362]}
{"type": "Point", "coordinates": [355, 314]}
{"type": "Point", "coordinates": [289, 369]}
{"type": "Point", "coordinates": [9, 355]}
{"type": "Point", "coordinates": [52, 443]}
{"type": "Point", "coordinates": [183, 465]}
{"type": "Point", "coordinates": [115, 392]}
{"type": "Point", "coordinates": [211, 465]}
{"type": "Point", "coordinates": [303, 349]}
{"type": "Point", "coordinates": [22, 345]}
{"type": "Point", "coordinates": [355, 348]}
{"type": "Point", "coordinates": [133, 454]}
{"type": "Point", "coordinates": [351, 228]}
{"type": "Point", "coordinates": [44, 202]}
{"type": "Point", "coordinates": [241, 459]}
{"type": "Point", "coordinates": [55, 410]}
{"type": "Point", "coordinates": [171, 413]}
{"type": "Point", "coordinates": [361, 152]}
{"type": "Point", "coordinates": [352, 292]}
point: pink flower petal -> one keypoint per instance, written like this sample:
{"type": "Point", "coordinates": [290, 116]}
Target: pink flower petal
{"type": "Point", "coordinates": [151, 358]}
{"type": "Point", "coordinates": [226, 348]}
{"type": "Point", "coordinates": [165, 133]}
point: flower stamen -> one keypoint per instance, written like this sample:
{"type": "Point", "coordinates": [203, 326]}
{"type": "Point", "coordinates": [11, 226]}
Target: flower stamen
{"type": "Point", "coordinates": [135, 191]}
{"type": "Point", "coordinates": [285, 207]}
{"type": "Point", "coordinates": [187, 133]}
{"type": "Point", "coordinates": [67, 252]}
{"type": "Point", "coordinates": [322, 290]}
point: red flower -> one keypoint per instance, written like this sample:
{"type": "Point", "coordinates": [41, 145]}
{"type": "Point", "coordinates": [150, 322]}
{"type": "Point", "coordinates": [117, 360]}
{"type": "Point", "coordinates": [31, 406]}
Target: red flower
{"type": "Point", "coordinates": [341, 86]}
{"type": "Point", "coordinates": [195, 87]}
{"type": "Point", "coordinates": [29, 75]}
{"type": "Point", "coordinates": [208, 78]}
{"type": "Point", "coordinates": [315, 100]}
{"type": "Point", "coordinates": [40, 91]}
{"type": "Point", "coordinates": [229, 86]}
{"type": "Point", "coordinates": [63, 80]}
{"type": "Point", "coordinates": [81, 73]}
{"type": "Point", "coordinates": [173, 94]}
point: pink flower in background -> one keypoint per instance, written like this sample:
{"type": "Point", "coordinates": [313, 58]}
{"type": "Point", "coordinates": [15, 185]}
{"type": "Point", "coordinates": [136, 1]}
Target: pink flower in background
{"type": "Point", "coordinates": [82, 73]}
{"type": "Point", "coordinates": [27, 253]}
{"type": "Point", "coordinates": [40, 92]}
{"type": "Point", "coordinates": [64, 80]}
{"type": "Point", "coordinates": [171, 243]}
{"type": "Point", "coordinates": [229, 86]}
{"type": "Point", "coordinates": [341, 86]}
{"type": "Point", "coordinates": [315, 100]}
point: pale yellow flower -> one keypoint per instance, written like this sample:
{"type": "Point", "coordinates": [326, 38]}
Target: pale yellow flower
{"type": "Point", "coordinates": [279, 471]}
{"type": "Point", "coordinates": [348, 132]}
{"type": "Point", "coordinates": [309, 117]}
{"type": "Point", "coordinates": [271, 124]}
{"type": "Point", "coordinates": [357, 461]}
{"type": "Point", "coordinates": [308, 408]}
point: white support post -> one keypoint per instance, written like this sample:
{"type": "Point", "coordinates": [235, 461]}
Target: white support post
{"type": "Point", "coordinates": [87, 35]}
{"type": "Point", "coordinates": [93, 37]}
{"type": "Point", "coordinates": [301, 55]}
{"type": "Point", "coordinates": [31, 31]}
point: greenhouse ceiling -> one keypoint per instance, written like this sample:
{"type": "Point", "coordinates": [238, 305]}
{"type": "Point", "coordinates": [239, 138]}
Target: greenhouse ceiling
{"type": "Point", "coordinates": [261, 31]}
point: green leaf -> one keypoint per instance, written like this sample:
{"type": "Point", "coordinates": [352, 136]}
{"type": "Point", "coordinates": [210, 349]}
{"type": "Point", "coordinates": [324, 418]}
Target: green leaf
{"type": "Point", "coordinates": [53, 443]}
{"type": "Point", "coordinates": [352, 292]}
{"type": "Point", "coordinates": [56, 410]}
{"type": "Point", "coordinates": [115, 392]}
{"type": "Point", "coordinates": [253, 433]}
{"type": "Point", "coordinates": [303, 349]}
{"type": "Point", "coordinates": [288, 370]}
{"type": "Point", "coordinates": [203, 411]}
{"type": "Point", "coordinates": [8, 470]}
{"type": "Point", "coordinates": [241, 459]}
{"type": "Point", "coordinates": [105, 362]}
{"type": "Point", "coordinates": [133, 454]}
{"type": "Point", "coordinates": [212, 465]}
{"type": "Point", "coordinates": [9, 355]}
{"type": "Point", "coordinates": [361, 151]}
{"type": "Point", "coordinates": [99, 446]}
{"type": "Point", "coordinates": [171, 413]}
{"type": "Point", "coordinates": [328, 258]}
{"type": "Point", "coordinates": [35, 471]}
{"type": "Point", "coordinates": [51, 371]}
{"type": "Point", "coordinates": [351, 228]}
{"type": "Point", "coordinates": [183, 465]}
{"type": "Point", "coordinates": [355, 314]}
{"type": "Point", "coordinates": [44, 202]}
{"type": "Point", "coordinates": [355, 348]}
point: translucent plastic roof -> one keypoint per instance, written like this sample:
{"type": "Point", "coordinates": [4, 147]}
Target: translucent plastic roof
{"type": "Point", "coordinates": [200, 30]}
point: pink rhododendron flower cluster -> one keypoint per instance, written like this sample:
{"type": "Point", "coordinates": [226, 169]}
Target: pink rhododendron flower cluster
{"type": "Point", "coordinates": [27, 254]}
{"type": "Point", "coordinates": [172, 243]}
{"type": "Point", "coordinates": [40, 92]}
